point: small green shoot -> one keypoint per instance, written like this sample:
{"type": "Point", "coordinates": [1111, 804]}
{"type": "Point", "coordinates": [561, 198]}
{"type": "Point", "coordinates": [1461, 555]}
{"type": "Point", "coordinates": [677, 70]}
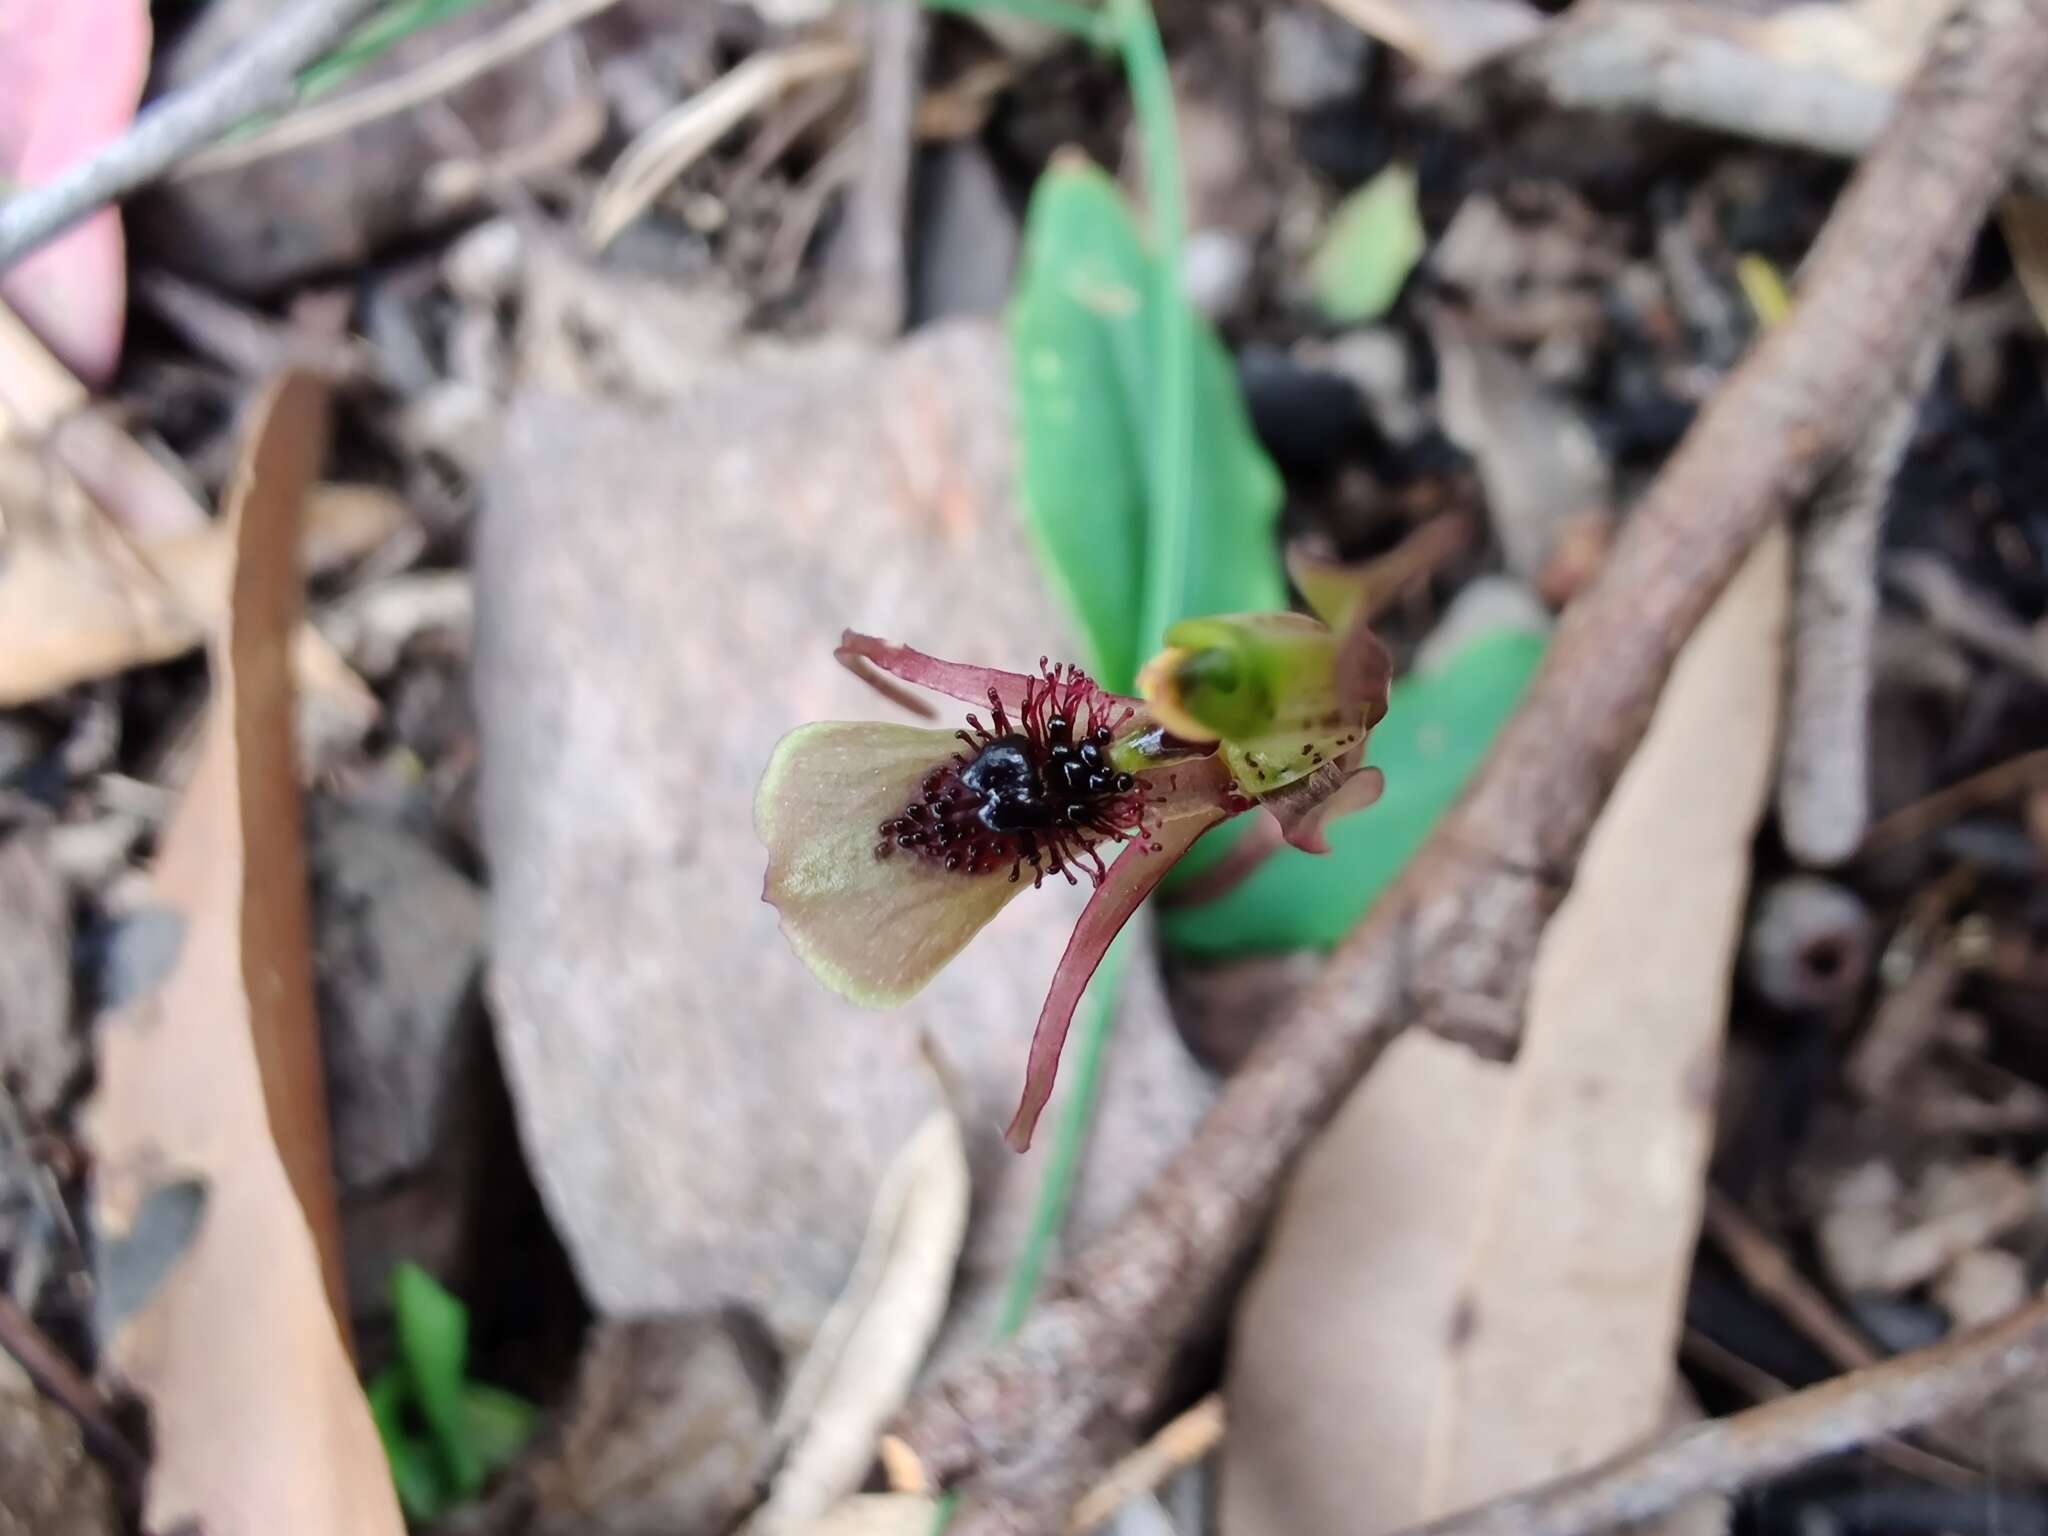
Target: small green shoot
{"type": "Point", "coordinates": [443, 1434]}
{"type": "Point", "coordinates": [1373, 243]}
{"type": "Point", "coordinates": [1769, 299]}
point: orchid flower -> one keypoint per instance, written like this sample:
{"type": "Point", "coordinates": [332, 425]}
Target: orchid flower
{"type": "Point", "coordinates": [891, 846]}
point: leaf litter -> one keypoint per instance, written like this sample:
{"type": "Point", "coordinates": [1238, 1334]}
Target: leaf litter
{"type": "Point", "coordinates": [1478, 1278]}
{"type": "Point", "coordinates": [1599, 280]}
{"type": "Point", "coordinates": [242, 1353]}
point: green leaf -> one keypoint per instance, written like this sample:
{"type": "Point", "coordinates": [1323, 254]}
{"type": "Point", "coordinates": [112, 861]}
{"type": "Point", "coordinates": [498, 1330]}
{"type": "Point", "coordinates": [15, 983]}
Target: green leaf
{"type": "Point", "coordinates": [1373, 242]}
{"type": "Point", "coordinates": [1437, 730]}
{"type": "Point", "coordinates": [500, 1423]}
{"type": "Point", "coordinates": [415, 1472]}
{"type": "Point", "coordinates": [433, 1346]}
{"type": "Point", "coordinates": [1086, 386]}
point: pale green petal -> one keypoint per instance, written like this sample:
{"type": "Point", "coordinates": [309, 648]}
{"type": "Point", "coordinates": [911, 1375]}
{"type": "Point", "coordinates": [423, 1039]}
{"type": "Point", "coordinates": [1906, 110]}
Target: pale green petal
{"type": "Point", "coordinates": [874, 930]}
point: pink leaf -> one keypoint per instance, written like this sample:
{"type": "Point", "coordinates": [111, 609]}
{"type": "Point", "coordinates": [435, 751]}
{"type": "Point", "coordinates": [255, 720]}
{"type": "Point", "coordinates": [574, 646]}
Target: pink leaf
{"type": "Point", "coordinates": [1138, 869]}
{"type": "Point", "coordinates": [71, 73]}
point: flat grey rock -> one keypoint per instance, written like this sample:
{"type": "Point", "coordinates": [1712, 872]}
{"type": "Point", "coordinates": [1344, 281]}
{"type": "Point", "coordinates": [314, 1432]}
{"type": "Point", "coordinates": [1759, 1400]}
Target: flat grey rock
{"type": "Point", "coordinates": [659, 592]}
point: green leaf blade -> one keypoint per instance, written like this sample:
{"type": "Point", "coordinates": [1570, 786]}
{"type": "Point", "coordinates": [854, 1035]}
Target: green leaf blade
{"type": "Point", "coordinates": [1079, 294]}
{"type": "Point", "coordinates": [415, 1473]}
{"type": "Point", "coordinates": [499, 1423]}
{"type": "Point", "coordinates": [1089, 391]}
{"type": "Point", "coordinates": [433, 1344]}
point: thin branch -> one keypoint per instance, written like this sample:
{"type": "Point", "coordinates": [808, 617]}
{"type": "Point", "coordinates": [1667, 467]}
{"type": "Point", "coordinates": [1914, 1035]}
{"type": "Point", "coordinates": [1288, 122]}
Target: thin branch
{"type": "Point", "coordinates": [1760, 1386]}
{"type": "Point", "coordinates": [63, 1384]}
{"type": "Point", "coordinates": [1771, 1274]}
{"type": "Point", "coordinates": [1181, 1443]}
{"type": "Point", "coordinates": [1999, 782]}
{"type": "Point", "coordinates": [867, 285]}
{"type": "Point", "coordinates": [257, 77]}
{"type": "Point", "coordinates": [1824, 756]}
{"type": "Point", "coordinates": [445, 72]}
{"type": "Point", "coordinates": [683, 134]}
{"type": "Point", "coordinates": [1767, 1270]}
{"type": "Point", "coordinates": [1717, 69]}
{"type": "Point", "coordinates": [1024, 1428]}
{"type": "Point", "coordinates": [1727, 1455]}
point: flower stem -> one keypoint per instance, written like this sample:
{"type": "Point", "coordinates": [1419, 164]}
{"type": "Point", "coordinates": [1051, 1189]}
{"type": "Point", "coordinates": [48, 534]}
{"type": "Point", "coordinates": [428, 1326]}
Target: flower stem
{"type": "Point", "coordinates": [1169, 525]}
{"type": "Point", "coordinates": [1056, 1185]}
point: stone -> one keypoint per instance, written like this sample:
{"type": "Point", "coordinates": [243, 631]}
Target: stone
{"type": "Point", "coordinates": [398, 939]}
{"type": "Point", "coordinates": [666, 1431]}
{"type": "Point", "coordinates": [1310, 57]}
{"type": "Point", "coordinates": [659, 593]}
{"type": "Point", "coordinates": [967, 236]}
{"type": "Point", "coordinates": [40, 1053]}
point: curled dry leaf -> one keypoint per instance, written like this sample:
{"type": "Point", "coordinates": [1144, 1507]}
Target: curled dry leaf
{"type": "Point", "coordinates": [1477, 1278]}
{"type": "Point", "coordinates": [214, 1075]}
{"type": "Point", "coordinates": [1880, 1239]}
{"type": "Point", "coordinates": [867, 1354]}
{"type": "Point", "coordinates": [109, 563]}
{"type": "Point", "coordinates": [80, 599]}
{"type": "Point", "coordinates": [1544, 475]}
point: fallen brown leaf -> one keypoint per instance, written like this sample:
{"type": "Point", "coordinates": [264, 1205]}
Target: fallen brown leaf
{"type": "Point", "coordinates": [1476, 1279]}
{"type": "Point", "coordinates": [79, 599]}
{"type": "Point", "coordinates": [1544, 476]}
{"type": "Point", "coordinates": [106, 561]}
{"type": "Point", "coordinates": [258, 1423]}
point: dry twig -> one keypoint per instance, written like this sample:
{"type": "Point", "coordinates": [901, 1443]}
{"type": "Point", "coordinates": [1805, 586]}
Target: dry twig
{"type": "Point", "coordinates": [1760, 1386]}
{"type": "Point", "coordinates": [1451, 945]}
{"type": "Point", "coordinates": [1712, 67]}
{"type": "Point", "coordinates": [256, 77]}
{"type": "Point", "coordinates": [1933, 812]}
{"type": "Point", "coordinates": [437, 77]}
{"type": "Point", "coordinates": [59, 1380]}
{"type": "Point", "coordinates": [680, 136]}
{"type": "Point", "coordinates": [867, 286]}
{"type": "Point", "coordinates": [1824, 759]}
{"type": "Point", "coordinates": [1726, 1455]}
{"type": "Point", "coordinates": [1767, 1271]}
{"type": "Point", "coordinates": [1182, 1443]}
